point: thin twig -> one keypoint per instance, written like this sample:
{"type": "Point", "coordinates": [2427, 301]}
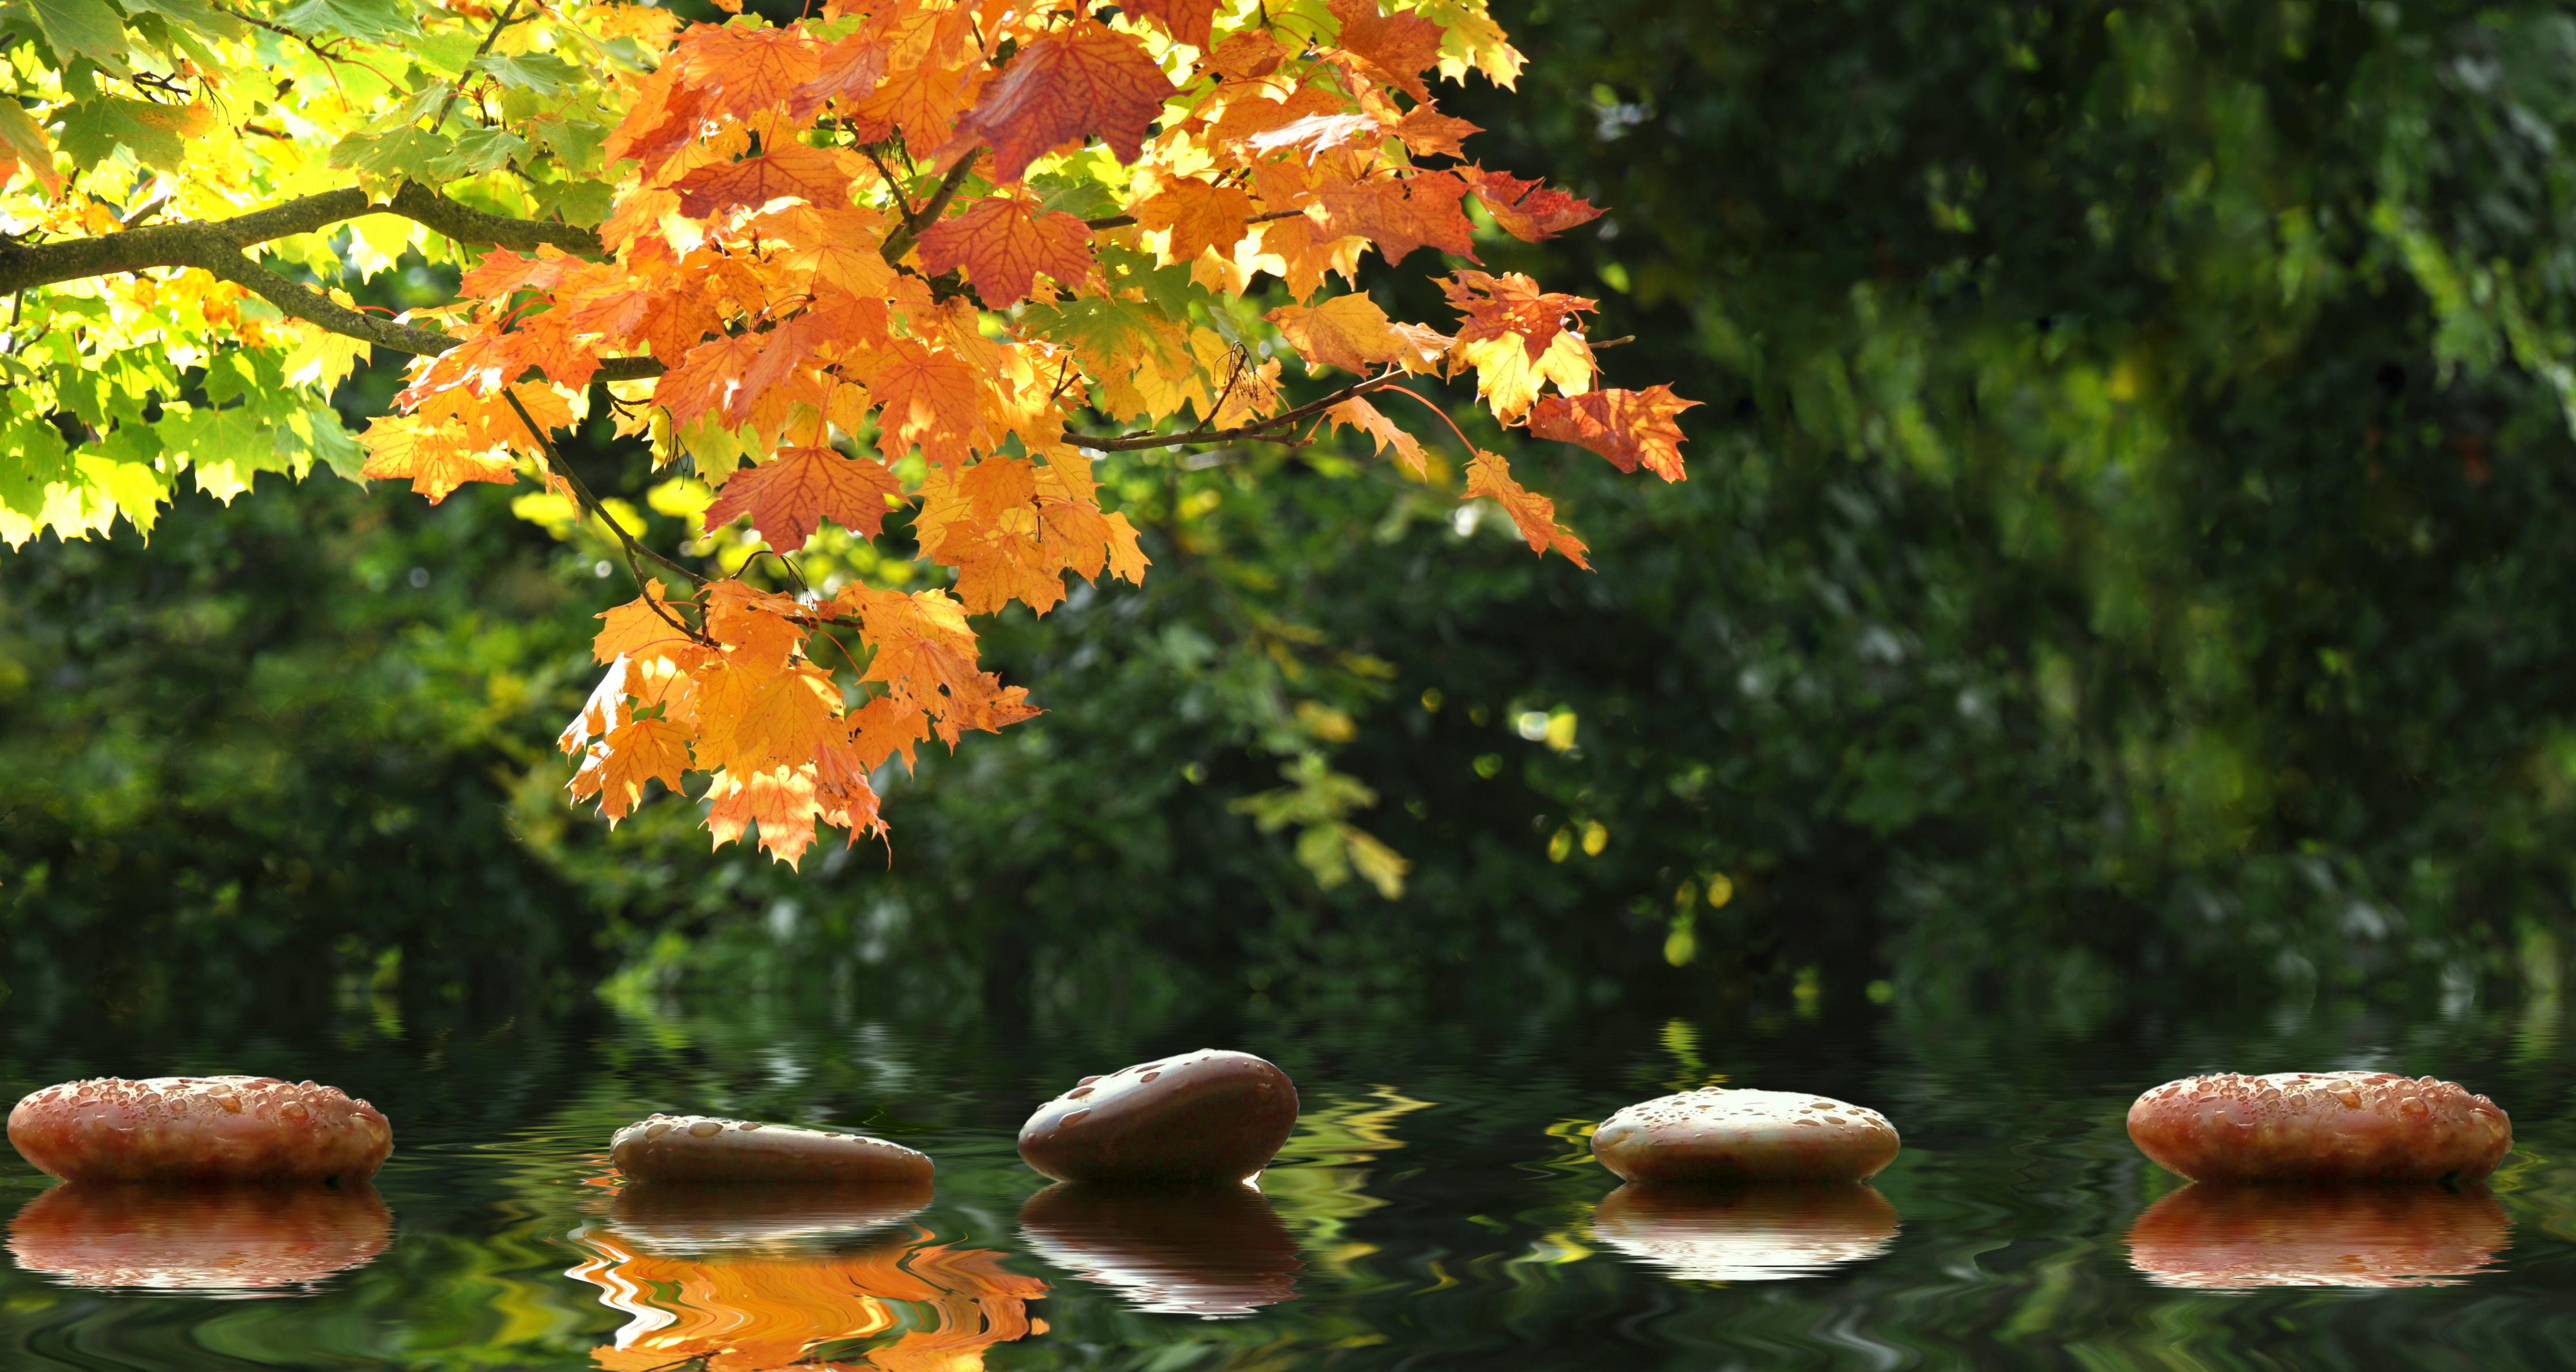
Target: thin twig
{"type": "Point", "coordinates": [1258, 431]}
{"type": "Point", "coordinates": [457, 88]}
{"type": "Point", "coordinates": [590, 505]}
{"type": "Point", "coordinates": [894, 186]}
{"type": "Point", "coordinates": [1463, 440]}
{"type": "Point", "coordinates": [1120, 221]}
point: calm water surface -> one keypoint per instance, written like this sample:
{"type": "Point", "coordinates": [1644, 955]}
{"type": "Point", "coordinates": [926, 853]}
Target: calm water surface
{"type": "Point", "coordinates": [1437, 1208]}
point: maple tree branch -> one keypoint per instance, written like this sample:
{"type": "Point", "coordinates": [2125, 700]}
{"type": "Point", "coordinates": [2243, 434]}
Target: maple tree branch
{"type": "Point", "coordinates": [1259, 431]}
{"type": "Point", "coordinates": [304, 302]}
{"type": "Point", "coordinates": [591, 505]}
{"type": "Point", "coordinates": [200, 244]}
{"type": "Point", "coordinates": [900, 241]}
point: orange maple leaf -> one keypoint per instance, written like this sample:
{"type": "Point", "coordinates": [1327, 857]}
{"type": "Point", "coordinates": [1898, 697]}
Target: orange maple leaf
{"type": "Point", "coordinates": [817, 176]}
{"type": "Point", "coordinates": [502, 271]}
{"type": "Point", "coordinates": [780, 800]}
{"type": "Point", "coordinates": [790, 495]}
{"type": "Point", "coordinates": [435, 461]}
{"type": "Point", "coordinates": [708, 377]}
{"type": "Point", "coordinates": [921, 100]}
{"type": "Point", "coordinates": [1490, 476]}
{"type": "Point", "coordinates": [1528, 210]}
{"type": "Point", "coordinates": [1427, 131]}
{"type": "Point", "coordinates": [1248, 55]}
{"type": "Point", "coordinates": [1401, 214]}
{"type": "Point", "coordinates": [1631, 428]}
{"type": "Point", "coordinates": [784, 719]}
{"type": "Point", "coordinates": [1065, 86]}
{"type": "Point", "coordinates": [842, 792]}
{"type": "Point", "coordinates": [848, 71]}
{"type": "Point", "coordinates": [1003, 242]}
{"type": "Point", "coordinates": [886, 727]}
{"type": "Point", "coordinates": [1347, 331]}
{"type": "Point", "coordinates": [643, 628]}
{"type": "Point", "coordinates": [1198, 215]}
{"type": "Point", "coordinates": [760, 629]}
{"type": "Point", "coordinates": [1191, 21]}
{"type": "Point", "coordinates": [1400, 47]}
{"type": "Point", "coordinates": [1511, 306]}
{"type": "Point", "coordinates": [616, 768]}
{"type": "Point", "coordinates": [1359, 414]}
{"type": "Point", "coordinates": [930, 398]}
{"type": "Point", "coordinates": [741, 73]}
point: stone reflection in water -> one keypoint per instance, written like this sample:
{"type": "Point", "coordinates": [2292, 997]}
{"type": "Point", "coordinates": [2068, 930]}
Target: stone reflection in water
{"type": "Point", "coordinates": [1746, 1233]}
{"type": "Point", "coordinates": [2241, 1237]}
{"type": "Point", "coordinates": [225, 1240]}
{"type": "Point", "coordinates": [1201, 1250]}
{"type": "Point", "coordinates": [751, 1278]}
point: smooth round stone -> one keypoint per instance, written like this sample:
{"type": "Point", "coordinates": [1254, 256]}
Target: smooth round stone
{"type": "Point", "coordinates": [1185, 1250]}
{"type": "Point", "coordinates": [2320, 1126]}
{"type": "Point", "coordinates": [1208, 1116]}
{"type": "Point", "coordinates": [696, 1148]}
{"type": "Point", "coordinates": [199, 1238]}
{"type": "Point", "coordinates": [1720, 1135]}
{"type": "Point", "coordinates": [1746, 1233]}
{"type": "Point", "coordinates": [199, 1129]}
{"type": "Point", "coordinates": [2355, 1234]}
{"type": "Point", "coordinates": [678, 1217]}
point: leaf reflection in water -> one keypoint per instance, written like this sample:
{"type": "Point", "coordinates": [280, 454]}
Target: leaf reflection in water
{"type": "Point", "coordinates": [1746, 1233]}
{"type": "Point", "coordinates": [750, 1278]}
{"type": "Point", "coordinates": [1208, 1251]}
{"type": "Point", "coordinates": [238, 1241]}
{"type": "Point", "coordinates": [2243, 1237]}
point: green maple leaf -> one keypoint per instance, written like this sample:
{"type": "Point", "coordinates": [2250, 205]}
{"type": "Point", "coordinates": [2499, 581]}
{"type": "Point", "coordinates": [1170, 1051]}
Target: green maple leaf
{"type": "Point", "coordinates": [94, 129]}
{"type": "Point", "coordinates": [226, 448]}
{"type": "Point", "coordinates": [373, 21]}
{"type": "Point", "coordinates": [83, 28]}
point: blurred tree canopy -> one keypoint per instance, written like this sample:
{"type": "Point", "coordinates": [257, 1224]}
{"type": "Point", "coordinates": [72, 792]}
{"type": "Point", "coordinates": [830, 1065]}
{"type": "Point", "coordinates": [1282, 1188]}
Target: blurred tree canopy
{"type": "Point", "coordinates": [2123, 537]}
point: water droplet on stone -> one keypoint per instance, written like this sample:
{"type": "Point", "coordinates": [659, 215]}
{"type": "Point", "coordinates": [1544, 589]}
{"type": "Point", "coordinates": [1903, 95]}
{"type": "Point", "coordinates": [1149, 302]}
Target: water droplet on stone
{"type": "Point", "coordinates": [705, 1129]}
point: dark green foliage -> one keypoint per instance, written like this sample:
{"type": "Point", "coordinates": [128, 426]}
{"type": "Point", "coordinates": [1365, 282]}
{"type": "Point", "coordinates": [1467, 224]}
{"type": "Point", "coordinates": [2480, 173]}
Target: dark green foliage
{"type": "Point", "coordinates": [2123, 533]}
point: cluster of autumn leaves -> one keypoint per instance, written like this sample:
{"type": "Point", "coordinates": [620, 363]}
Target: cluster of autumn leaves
{"type": "Point", "coordinates": [878, 254]}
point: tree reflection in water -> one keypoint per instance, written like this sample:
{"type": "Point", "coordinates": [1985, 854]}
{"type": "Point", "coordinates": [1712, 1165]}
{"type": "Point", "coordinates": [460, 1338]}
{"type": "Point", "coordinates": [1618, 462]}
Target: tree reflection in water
{"type": "Point", "coordinates": [753, 1278]}
{"type": "Point", "coordinates": [1746, 1233]}
{"type": "Point", "coordinates": [2241, 1237]}
{"type": "Point", "coordinates": [224, 1240]}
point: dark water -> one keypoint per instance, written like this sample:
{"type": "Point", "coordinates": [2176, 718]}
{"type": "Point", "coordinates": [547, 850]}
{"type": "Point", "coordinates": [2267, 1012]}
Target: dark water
{"type": "Point", "coordinates": [1437, 1207]}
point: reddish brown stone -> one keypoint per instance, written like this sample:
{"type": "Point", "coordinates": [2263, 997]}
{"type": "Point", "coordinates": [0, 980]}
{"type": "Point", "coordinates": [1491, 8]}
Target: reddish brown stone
{"type": "Point", "coordinates": [199, 1129]}
{"type": "Point", "coordinates": [2320, 1126]}
{"type": "Point", "coordinates": [197, 1237]}
{"type": "Point", "coordinates": [2355, 1234]}
{"type": "Point", "coordinates": [1210, 1116]}
{"type": "Point", "coordinates": [695, 1148]}
{"type": "Point", "coordinates": [1721, 1135]}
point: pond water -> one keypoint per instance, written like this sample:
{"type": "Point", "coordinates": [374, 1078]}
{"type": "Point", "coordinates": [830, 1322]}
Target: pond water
{"type": "Point", "coordinates": [1436, 1207]}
